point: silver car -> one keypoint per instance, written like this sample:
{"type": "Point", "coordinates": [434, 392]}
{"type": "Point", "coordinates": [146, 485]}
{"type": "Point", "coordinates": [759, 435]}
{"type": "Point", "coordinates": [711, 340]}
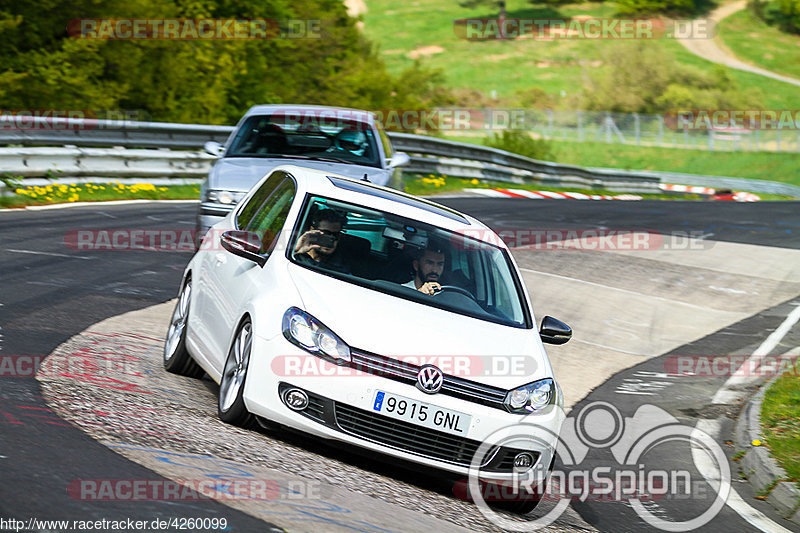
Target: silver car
{"type": "Point", "coordinates": [343, 141]}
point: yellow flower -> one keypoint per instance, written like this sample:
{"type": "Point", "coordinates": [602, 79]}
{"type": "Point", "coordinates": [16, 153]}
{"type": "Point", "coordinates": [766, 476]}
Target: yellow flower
{"type": "Point", "coordinates": [162, 189]}
{"type": "Point", "coordinates": [756, 442]}
{"type": "Point", "coordinates": [474, 181]}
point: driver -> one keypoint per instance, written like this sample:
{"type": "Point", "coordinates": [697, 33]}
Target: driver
{"type": "Point", "coordinates": [428, 268]}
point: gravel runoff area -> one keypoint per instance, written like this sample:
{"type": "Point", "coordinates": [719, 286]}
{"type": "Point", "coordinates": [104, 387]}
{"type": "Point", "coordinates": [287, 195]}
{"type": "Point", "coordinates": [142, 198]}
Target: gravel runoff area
{"type": "Point", "coordinates": [109, 381]}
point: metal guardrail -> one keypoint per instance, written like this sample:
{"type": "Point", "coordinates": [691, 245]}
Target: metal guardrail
{"type": "Point", "coordinates": [428, 155]}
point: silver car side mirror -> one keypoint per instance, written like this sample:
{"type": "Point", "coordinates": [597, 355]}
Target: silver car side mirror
{"type": "Point", "coordinates": [399, 159]}
{"type": "Point", "coordinates": [213, 148]}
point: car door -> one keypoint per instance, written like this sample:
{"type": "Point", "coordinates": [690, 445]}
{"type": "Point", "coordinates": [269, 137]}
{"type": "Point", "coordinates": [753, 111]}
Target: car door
{"type": "Point", "coordinates": [233, 279]}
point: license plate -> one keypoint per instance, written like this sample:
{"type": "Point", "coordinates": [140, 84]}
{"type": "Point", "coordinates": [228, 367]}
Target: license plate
{"type": "Point", "coordinates": [421, 414]}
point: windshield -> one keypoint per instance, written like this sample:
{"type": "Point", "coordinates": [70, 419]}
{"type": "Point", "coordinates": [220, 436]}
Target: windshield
{"type": "Point", "coordinates": [289, 136]}
{"type": "Point", "coordinates": [406, 258]}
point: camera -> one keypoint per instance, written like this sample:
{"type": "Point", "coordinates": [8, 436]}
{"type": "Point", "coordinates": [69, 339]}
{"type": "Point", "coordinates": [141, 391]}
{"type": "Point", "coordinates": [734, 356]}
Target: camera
{"type": "Point", "coordinates": [325, 241]}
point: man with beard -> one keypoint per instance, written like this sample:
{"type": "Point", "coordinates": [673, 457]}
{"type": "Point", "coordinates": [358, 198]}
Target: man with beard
{"type": "Point", "coordinates": [428, 268]}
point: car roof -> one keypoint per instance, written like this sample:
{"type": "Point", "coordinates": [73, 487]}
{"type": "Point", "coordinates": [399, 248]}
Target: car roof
{"type": "Point", "coordinates": [313, 110]}
{"type": "Point", "coordinates": [367, 194]}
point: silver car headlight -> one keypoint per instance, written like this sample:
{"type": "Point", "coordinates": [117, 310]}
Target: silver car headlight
{"type": "Point", "coordinates": [225, 197]}
{"type": "Point", "coordinates": [531, 397]}
{"type": "Point", "coordinates": [305, 331]}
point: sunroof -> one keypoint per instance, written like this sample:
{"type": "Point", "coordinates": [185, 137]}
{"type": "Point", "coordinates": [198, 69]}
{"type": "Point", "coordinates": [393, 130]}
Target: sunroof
{"type": "Point", "coordinates": [397, 196]}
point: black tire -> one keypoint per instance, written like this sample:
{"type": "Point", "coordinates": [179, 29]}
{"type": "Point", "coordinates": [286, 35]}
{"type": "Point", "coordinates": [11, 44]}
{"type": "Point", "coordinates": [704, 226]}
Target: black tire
{"type": "Point", "coordinates": [176, 357]}
{"type": "Point", "coordinates": [230, 406]}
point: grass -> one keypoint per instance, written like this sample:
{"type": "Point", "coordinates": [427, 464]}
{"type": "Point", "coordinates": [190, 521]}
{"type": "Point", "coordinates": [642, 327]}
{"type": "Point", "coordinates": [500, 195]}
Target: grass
{"type": "Point", "coordinates": [755, 42]}
{"type": "Point", "coordinates": [558, 67]}
{"type": "Point", "coordinates": [780, 418]}
{"type": "Point", "coordinates": [773, 166]}
{"type": "Point", "coordinates": [95, 192]}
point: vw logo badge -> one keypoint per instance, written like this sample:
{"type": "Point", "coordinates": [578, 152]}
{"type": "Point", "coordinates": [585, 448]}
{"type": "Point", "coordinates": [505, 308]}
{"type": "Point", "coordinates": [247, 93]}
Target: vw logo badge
{"type": "Point", "coordinates": [430, 379]}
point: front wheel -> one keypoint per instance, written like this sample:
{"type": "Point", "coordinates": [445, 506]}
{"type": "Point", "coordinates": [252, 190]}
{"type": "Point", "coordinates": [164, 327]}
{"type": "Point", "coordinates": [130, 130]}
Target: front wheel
{"type": "Point", "coordinates": [176, 357]}
{"type": "Point", "coordinates": [231, 408]}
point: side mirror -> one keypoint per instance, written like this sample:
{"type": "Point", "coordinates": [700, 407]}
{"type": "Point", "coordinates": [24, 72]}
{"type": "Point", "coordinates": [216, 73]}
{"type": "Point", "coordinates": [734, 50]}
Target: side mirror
{"type": "Point", "coordinates": [244, 244]}
{"type": "Point", "coordinates": [213, 148]}
{"type": "Point", "coordinates": [399, 159]}
{"type": "Point", "coordinates": [553, 331]}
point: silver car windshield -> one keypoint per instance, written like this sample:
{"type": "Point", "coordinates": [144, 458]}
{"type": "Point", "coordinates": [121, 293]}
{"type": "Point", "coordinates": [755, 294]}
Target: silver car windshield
{"type": "Point", "coordinates": [406, 258]}
{"type": "Point", "coordinates": [283, 135]}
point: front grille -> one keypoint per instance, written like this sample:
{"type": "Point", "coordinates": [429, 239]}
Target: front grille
{"type": "Point", "coordinates": [404, 436]}
{"type": "Point", "coordinates": [401, 435]}
{"type": "Point", "coordinates": [405, 372]}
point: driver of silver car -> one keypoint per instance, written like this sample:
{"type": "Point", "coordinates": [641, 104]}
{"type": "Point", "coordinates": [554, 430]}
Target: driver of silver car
{"type": "Point", "coordinates": [428, 268]}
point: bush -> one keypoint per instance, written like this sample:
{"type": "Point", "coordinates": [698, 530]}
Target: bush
{"type": "Point", "coordinates": [784, 14]}
{"type": "Point", "coordinates": [644, 79]}
{"type": "Point", "coordinates": [521, 142]}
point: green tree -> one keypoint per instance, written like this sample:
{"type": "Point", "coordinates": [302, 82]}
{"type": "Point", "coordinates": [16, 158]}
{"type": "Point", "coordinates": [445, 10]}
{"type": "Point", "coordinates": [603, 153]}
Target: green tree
{"type": "Point", "coordinates": [642, 78]}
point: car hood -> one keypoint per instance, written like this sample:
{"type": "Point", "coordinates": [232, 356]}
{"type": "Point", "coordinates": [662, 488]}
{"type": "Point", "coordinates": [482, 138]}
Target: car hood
{"type": "Point", "coordinates": [387, 325]}
{"type": "Point", "coordinates": [241, 173]}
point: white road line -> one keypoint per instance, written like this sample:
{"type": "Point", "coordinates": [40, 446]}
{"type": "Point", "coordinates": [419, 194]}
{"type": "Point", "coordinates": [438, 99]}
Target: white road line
{"type": "Point", "coordinates": [704, 463]}
{"type": "Point", "coordinates": [52, 254]}
{"type": "Point", "coordinates": [712, 427]}
{"type": "Point", "coordinates": [627, 291]}
{"type": "Point", "coordinates": [727, 393]}
{"type": "Point", "coordinates": [609, 347]}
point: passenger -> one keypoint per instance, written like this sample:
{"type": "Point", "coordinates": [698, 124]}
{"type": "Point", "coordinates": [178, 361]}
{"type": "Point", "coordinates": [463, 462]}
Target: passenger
{"type": "Point", "coordinates": [318, 246]}
{"type": "Point", "coordinates": [428, 268]}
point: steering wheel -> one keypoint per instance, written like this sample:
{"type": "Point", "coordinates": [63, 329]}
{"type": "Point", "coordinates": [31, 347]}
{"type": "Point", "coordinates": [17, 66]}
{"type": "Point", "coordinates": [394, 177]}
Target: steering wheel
{"type": "Point", "coordinates": [453, 288]}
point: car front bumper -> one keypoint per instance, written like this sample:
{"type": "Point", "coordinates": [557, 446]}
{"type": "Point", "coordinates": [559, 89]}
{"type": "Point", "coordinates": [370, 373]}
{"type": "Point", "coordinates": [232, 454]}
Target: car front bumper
{"type": "Point", "coordinates": [341, 408]}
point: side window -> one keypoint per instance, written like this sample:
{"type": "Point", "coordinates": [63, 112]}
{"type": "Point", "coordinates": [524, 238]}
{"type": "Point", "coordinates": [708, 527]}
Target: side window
{"type": "Point", "coordinates": [267, 188]}
{"type": "Point", "coordinates": [270, 218]}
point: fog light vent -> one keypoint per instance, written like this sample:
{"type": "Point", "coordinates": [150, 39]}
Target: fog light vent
{"type": "Point", "coordinates": [523, 460]}
{"type": "Point", "coordinates": [295, 399]}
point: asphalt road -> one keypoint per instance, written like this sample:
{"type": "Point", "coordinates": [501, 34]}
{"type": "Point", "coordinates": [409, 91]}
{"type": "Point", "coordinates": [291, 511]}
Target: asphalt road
{"type": "Point", "coordinates": [51, 292]}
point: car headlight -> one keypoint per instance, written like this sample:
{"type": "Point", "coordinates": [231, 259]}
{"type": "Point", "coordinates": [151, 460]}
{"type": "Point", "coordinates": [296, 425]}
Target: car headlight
{"type": "Point", "coordinates": [305, 331]}
{"type": "Point", "coordinates": [224, 197]}
{"type": "Point", "coordinates": [531, 397]}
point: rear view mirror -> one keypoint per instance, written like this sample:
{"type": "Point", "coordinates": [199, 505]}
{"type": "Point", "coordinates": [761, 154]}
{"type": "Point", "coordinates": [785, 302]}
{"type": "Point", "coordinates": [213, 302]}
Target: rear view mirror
{"type": "Point", "coordinates": [553, 331]}
{"type": "Point", "coordinates": [244, 244]}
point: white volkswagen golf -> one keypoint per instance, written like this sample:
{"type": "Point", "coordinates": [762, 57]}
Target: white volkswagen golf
{"type": "Point", "coordinates": [362, 314]}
